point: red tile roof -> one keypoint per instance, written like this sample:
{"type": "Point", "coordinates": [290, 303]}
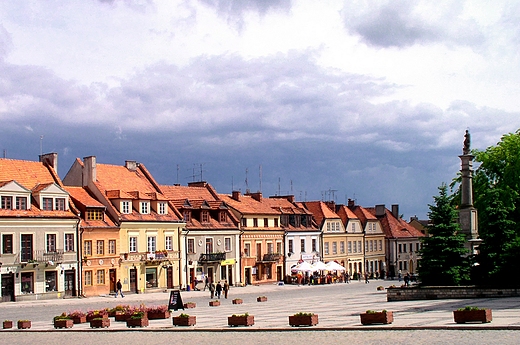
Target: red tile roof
{"type": "Point", "coordinates": [320, 211]}
{"type": "Point", "coordinates": [395, 227]}
{"type": "Point", "coordinates": [84, 200]}
{"type": "Point", "coordinates": [248, 205]}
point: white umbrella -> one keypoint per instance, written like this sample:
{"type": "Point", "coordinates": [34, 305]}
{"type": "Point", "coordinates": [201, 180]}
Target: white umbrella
{"type": "Point", "coordinates": [303, 267]}
{"type": "Point", "coordinates": [320, 266]}
{"type": "Point", "coordinates": [334, 266]}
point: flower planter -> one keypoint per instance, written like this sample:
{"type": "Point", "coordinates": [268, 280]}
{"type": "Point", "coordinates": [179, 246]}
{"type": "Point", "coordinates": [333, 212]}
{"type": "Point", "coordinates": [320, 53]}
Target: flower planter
{"type": "Point", "coordinates": [190, 305]}
{"type": "Point", "coordinates": [79, 319]}
{"type": "Point", "coordinates": [303, 320]}
{"type": "Point", "coordinates": [238, 301]}
{"type": "Point", "coordinates": [7, 324]}
{"type": "Point", "coordinates": [102, 322]}
{"type": "Point", "coordinates": [63, 323]}
{"type": "Point", "coordinates": [214, 303]}
{"type": "Point", "coordinates": [155, 315]}
{"type": "Point", "coordinates": [377, 317]}
{"type": "Point", "coordinates": [463, 316]}
{"type": "Point", "coordinates": [121, 316]}
{"type": "Point", "coordinates": [261, 299]}
{"type": "Point", "coordinates": [143, 322]}
{"type": "Point", "coordinates": [24, 324]}
{"type": "Point", "coordinates": [241, 320]}
{"type": "Point", "coordinates": [184, 321]}
{"type": "Point", "coordinates": [96, 316]}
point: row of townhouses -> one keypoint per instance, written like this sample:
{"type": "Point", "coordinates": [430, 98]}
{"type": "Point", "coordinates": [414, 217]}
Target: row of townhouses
{"type": "Point", "coordinates": [102, 223]}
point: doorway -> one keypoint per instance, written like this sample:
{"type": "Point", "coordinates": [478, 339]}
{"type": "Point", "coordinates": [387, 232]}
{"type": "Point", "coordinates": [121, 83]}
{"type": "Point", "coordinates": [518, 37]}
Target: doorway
{"type": "Point", "coordinates": [112, 277]}
{"type": "Point", "coordinates": [70, 283]}
{"type": "Point", "coordinates": [230, 275]}
{"type": "Point", "coordinates": [169, 277]}
{"type": "Point", "coordinates": [8, 287]}
{"type": "Point", "coordinates": [279, 274]}
{"type": "Point", "coordinates": [133, 280]}
{"type": "Point", "coordinates": [210, 274]}
{"type": "Point", "coordinates": [247, 275]}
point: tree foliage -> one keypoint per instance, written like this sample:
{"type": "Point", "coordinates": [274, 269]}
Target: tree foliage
{"type": "Point", "coordinates": [443, 256]}
{"type": "Point", "coordinates": [497, 196]}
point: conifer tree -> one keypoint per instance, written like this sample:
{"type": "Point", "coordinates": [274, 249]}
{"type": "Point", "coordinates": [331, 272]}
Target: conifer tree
{"type": "Point", "coordinates": [443, 256]}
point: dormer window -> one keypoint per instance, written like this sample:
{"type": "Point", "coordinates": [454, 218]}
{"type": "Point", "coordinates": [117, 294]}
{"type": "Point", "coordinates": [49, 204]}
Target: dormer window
{"type": "Point", "coordinates": [187, 215]}
{"type": "Point", "coordinates": [222, 217]}
{"type": "Point", "coordinates": [21, 203]}
{"type": "Point", "coordinates": [94, 214]}
{"type": "Point", "coordinates": [161, 208]}
{"type": "Point", "coordinates": [7, 202]}
{"type": "Point", "coordinates": [204, 216]}
{"type": "Point", "coordinates": [47, 204]}
{"type": "Point", "coordinates": [60, 204]}
{"type": "Point", "coordinates": [125, 207]}
{"type": "Point", "coordinates": [145, 207]}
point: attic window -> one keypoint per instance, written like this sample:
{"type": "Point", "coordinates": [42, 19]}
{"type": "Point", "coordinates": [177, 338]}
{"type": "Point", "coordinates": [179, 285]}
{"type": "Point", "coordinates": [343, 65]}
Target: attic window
{"type": "Point", "coordinates": [222, 217]}
{"type": "Point", "coordinates": [60, 204]}
{"type": "Point", "coordinates": [21, 203]}
{"type": "Point", "coordinates": [145, 207]}
{"type": "Point", "coordinates": [94, 214]}
{"type": "Point", "coordinates": [125, 207]}
{"type": "Point", "coordinates": [161, 208]}
{"type": "Point", "coordinates": [47, 204]}
{"type": "Point", "coordinates": [7, 202]}
{"type": "Point", "coordinates": [187, 216]}
{"type": "Point", "coordinates": [204, 217]}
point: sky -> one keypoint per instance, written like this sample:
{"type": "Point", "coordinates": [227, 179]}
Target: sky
{"type": "Point", "coordinates": [324, 100]}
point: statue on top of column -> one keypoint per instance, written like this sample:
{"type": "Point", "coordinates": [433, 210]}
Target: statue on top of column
{"type": "Point", "coordinates": [467, 140]}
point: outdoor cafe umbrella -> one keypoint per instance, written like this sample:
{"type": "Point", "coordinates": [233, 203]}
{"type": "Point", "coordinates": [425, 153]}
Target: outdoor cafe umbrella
{"type": "Point", "coordinates": [334, 266]}
{"type": "Point", "coordinates": [320, 266]}
{"type": "Point", "coordinates": [303, 267]}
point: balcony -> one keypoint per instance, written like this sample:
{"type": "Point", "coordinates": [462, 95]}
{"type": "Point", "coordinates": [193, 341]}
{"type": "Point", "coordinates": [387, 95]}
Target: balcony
{"type": "Point", "coordinates": [272, 257]}
{"type": "Point", "coordinates": [212, 257]}
{"type": "Point", "coordinates": [42, 256]}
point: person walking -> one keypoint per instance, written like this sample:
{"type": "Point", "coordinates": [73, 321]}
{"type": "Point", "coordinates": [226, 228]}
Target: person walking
{"type": "Point", "coordinates": [366, 278]}
{"type": "Point", "coordinates": [212, 290]}
{"type": "Point", "coordinates": [119, 288]}
{"type": "Point", "coordinates": [206, 283]}
{"type": "Point", "coordinates": [225, 288]}
{"type": "Point", "coordinates": [218, 290]}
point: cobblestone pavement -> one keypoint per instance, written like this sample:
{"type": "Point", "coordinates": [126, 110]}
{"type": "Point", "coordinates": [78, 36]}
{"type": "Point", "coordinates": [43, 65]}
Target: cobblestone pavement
{"type": "Point", "coordinates": [338, 307]}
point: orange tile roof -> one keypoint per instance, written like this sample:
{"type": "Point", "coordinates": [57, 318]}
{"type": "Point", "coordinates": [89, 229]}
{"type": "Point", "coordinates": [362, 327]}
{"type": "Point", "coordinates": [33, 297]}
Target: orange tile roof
{"type": "Point", "coordinates": [186, 192]}
{"type": "Point", "coordinates": [395, 227]}
{"type": "Point", "coordinates": [320, 211]}
{"type": "Point", "coordinates": [80, 195]}
{"type": "Point", "coordinates": [363, 214]}
{"type": "Point", "coordinates": [26, 173]}
{"type": "Point", "coordinates": [248, 205]}
{"type": "Point", "coordinates": [34, 176]}
{"type": "Point", "coordinates": [345, 213]}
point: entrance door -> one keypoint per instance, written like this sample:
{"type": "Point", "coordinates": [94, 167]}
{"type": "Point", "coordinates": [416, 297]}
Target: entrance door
{"type": "Point", "coordinates": [247, 276]}
{"type": "Point", "coordinates": [112, 277]}
{"type": "Point", "coordinates": [133, 280]}
{"type": "Point", "coordinates": [279, 273]}
{"type": "Point", "coordinates": [169, 277]}
{"type": "Point", "coordinates": [70, 283]}
{"type": "Point", "coordinates": [8, 287]}
{"type": "Point", "coordinates": [230, 275]}
{"type": "Point", "coordinates": [210, 274]}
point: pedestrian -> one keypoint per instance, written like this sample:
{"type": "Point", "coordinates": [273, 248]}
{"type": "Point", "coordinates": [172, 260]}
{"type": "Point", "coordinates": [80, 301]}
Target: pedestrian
{"type": "Point", "coordinates": [218, 290]}
{"type": "Point", "coordinates": [211, 290]}
{"type": "Point", "coordinates": [206, 282]}
{"type": "Point", "coordinates": [399, 275]}
{"type": "Point", "coordinates": [119, 288]}
{"type": "Point", "coordinates": [225, 288]}
{"type": "Point", "coordinates": [366, 278]}
{"type": "Point", "coordinates": [407, 279]}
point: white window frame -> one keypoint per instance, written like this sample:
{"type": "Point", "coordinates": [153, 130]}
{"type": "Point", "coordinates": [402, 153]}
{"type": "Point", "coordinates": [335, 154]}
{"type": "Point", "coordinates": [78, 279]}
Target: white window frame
{"type": "Point", "coordinates": [125, 207]}
{"type": "Point", "coordinates": [151, 244]}
{"type": "Point", "coordinates": [132, 244]}
{"type": "Point", "coordinates": [168, 242]}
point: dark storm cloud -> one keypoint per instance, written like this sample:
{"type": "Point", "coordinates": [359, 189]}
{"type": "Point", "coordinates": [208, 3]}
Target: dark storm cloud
{"type": "Point", "coordinates": [398, 24]}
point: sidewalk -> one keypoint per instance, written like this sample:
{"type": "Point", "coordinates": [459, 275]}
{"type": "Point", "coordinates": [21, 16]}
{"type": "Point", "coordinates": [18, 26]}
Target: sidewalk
{"type": "Point", "coordinates": [338, 307]}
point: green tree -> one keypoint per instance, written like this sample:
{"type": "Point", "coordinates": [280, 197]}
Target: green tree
{"type": "Point", "coordinates": [497, 196]}
{"type": "Point", "coordinates": [443, 256]}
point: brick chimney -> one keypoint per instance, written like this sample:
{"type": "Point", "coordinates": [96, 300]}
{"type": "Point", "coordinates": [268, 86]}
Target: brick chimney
{"type": "Point", "coordinates": [89, 170]}
{"type": "Point", "coordinates": [380, 210]}
{"type": "Point", "coordinates": [257, 196]}
{"type": "Point", "coordinates": [331, 205]}
{"type": "Point", "coordinates": [395, 210]}
{"type": "Point", "coordinates": [351, 203]}
{"type": "Point", "coordinates": [50, 159]}
{"type": "Point", "coordinates": [235, 195]}
{"type": "Point", "coordinates": [131, 165]}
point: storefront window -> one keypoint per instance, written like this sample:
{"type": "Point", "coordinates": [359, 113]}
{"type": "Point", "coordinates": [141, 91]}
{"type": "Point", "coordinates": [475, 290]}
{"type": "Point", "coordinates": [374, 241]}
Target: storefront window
{"type": "Point", "coordinates": [27, 282]}
{"type": "Point", "coordinates": [50, 281]}
{"type": "Point", "coordinates": [151, 277]}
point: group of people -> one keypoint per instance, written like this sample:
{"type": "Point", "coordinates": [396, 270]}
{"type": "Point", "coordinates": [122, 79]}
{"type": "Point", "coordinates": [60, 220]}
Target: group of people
{"type": "Point", "coordinates": [216, 290]}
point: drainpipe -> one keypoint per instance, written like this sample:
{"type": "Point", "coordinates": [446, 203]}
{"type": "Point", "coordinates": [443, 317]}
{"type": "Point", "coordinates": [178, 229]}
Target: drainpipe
{"type": "Point", "coordinates": [186, 255]}
{"type": "Point", "coordinates": [79, 253]}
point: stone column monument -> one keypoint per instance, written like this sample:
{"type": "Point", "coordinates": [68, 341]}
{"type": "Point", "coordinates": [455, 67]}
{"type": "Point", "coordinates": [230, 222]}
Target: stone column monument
{"type": "Point", "coordinates": [467, 213]}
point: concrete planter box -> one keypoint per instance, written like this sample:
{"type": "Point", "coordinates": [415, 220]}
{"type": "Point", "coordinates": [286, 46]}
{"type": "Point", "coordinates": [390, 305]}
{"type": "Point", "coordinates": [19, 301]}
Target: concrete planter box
{"type": "Point", "coordinates": [377, 318]}
{"type": "Point", "coordinates": [238, 301]}
{"type": "Point", "coordinates": [7, 324]}
{"type": "Point", "coordinates": [96, 316]}
{"type": "Point", "coordinates": [184, 321]}
{"type": "Point", "coordinates": [463, 316]}
{"type": "Point", "coordinates": [102, 322]}
{"type": "Point", "coordinates": [241, 320]}
{"type": "Point", "coordinates": [156, 315]}
{"type": "Point", "coordinates": [190, 305]}
{"type": "Point", "coordinates": [303, 320]}
{"type": "Point", "coordinates": [143, 322]}
{"type": "Point", "coordinates": [24, 324]}
{"type": "Point", "coordinates": [79, 319]}
{"type": "Point", "coordinates": [261, 299]}
{"type": "Point", "coordinates": [63, 323]}
{"type": "Point", "coordinates": [214, 303]}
